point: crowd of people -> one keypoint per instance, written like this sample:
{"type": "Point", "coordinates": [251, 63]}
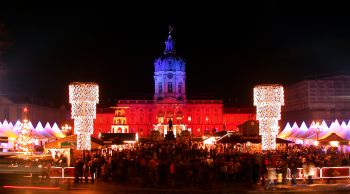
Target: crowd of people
{"type": "Point", "coordinates": [196, 164]}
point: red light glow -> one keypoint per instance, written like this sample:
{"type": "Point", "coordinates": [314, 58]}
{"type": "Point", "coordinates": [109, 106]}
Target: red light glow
{"type": "Point", "coordinates": [29, 187]}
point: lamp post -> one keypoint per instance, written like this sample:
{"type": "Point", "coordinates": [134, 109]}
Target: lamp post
{"type": "Point", "coordinates": [66, 129]}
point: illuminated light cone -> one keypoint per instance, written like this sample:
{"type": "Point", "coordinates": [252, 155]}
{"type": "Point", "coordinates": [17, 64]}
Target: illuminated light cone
{"type": "Point", "coordinates": [83, 96]}
{"type": "Point", "coordinates": [268, 100]}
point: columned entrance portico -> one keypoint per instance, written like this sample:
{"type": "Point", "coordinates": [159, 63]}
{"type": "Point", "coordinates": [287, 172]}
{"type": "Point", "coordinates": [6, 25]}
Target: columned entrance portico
{"type": "Point", "coordinates": [163, 129]}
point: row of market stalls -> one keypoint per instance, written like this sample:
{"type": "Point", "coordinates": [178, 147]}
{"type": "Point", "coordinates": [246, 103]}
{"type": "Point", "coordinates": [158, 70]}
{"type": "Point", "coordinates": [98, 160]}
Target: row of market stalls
{"type": "Point", "coordinates": [315, 129]}
{"type": "Point", "coordinates": [11, 130]}
{"type": "Point", "coordinates": [66, 148]}
{"type": "Point", "coordinates": [40, 133]}
{"type": "Point", "coordinates": [335, 133]}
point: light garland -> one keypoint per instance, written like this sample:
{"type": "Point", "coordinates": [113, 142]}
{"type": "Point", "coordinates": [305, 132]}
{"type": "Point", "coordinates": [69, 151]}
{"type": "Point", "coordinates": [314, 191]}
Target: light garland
{"type": "Point", "coordinates": [84, 141]}
{"type": "Point", "coordinates": [83, 96]}
{"type": "Point", "coordinates": [83, 125]}
{"type": "Point", "coordinates": [268, 100]}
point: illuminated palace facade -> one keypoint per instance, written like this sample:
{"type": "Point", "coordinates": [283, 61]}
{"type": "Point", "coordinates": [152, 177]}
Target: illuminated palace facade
{"type": "Point", "coordinates": [200, 117]}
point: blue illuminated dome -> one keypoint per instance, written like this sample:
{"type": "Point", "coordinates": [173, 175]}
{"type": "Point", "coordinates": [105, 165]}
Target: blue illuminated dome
{"type": "Point", "coordinates": [170, 73]}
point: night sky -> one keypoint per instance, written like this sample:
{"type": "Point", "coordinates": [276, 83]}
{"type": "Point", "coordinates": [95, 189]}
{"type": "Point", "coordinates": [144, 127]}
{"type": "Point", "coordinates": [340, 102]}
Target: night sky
{"type": "Point", "coordinates": [229, 48]}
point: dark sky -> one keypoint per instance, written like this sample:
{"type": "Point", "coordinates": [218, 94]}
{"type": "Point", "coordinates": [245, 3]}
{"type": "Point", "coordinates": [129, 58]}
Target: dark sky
{"type": "Point", "coordinates": [228, 47]}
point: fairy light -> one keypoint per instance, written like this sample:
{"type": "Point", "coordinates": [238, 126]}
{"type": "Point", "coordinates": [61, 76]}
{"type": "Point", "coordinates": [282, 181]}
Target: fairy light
{"type": "Point", "coordinates": [83, 96]}
{"type": "Point", "coordinates": [84, 141]}
{"type": "Point", "coordinates": [268, 100]}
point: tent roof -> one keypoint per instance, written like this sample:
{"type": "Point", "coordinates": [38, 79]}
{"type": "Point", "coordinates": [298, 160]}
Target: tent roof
{"type": "Point", "coordinates": [70, 142]}
{"type": "Point", "coordinates": [333, 137]}
{"type": "Point", "coordinates": [245, 139]}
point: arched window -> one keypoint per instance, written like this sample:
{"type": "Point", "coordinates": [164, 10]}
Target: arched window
{"type": "Point", "coordinates": [179, 88]}
{"type": "Point", "coordinates": [160, 88]}
{"type": "Point", "coordinates": [170, 87]}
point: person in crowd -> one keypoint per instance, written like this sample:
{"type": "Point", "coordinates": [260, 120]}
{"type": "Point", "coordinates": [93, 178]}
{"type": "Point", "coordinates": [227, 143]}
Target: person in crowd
{"type": "Point", "coordinates": [86, 171]}
{"type": "Point", "coordinates": [92, 168]}
{"type": "Point", "coordinates": [180, 164]}
{"type": "Point", "coordinates": [76, 171]}
{"type": "Point", "coordinates": [293, 170]}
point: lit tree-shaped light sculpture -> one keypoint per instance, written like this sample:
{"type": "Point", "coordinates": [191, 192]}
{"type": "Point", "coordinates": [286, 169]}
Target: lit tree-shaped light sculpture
{"type": "Point", "coordinates": [83, 96]}
{"type": "Point", "coordinates": [25, 138]}
{"type": "Point", "coordinates": [268, 100]}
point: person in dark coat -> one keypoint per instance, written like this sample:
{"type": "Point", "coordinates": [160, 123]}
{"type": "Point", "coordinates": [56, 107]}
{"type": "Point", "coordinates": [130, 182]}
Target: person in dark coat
{"type": "Point", "coordinates": [92, 165]}
{"type": "Point", "coordinates": [76, 171]}
{"type": "Point", "coordinates": [80, 170]}
{"type": "Point", "coordinates": [263, 171]}
{"type": "Point", "coordinates": [293, 171]}
{"type": "Point", "coordinates": [86, 171]}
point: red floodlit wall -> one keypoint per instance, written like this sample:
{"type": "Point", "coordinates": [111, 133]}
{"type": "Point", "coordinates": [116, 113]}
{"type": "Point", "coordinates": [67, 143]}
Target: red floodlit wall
{"type": "Point", "coordinates": [201, 117]}
{"type": "Point", "coordinates": [103, 123]}
{"type": "Point", "coordinates": [233, 120]}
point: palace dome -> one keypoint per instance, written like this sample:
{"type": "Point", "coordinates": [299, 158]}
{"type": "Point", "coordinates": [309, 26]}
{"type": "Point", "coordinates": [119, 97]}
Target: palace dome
{"type": "Point", "coordinates": [169, 61]}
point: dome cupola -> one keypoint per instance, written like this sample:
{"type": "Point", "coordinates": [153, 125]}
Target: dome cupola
{"type": "Point", "coordinates": [169, 72]}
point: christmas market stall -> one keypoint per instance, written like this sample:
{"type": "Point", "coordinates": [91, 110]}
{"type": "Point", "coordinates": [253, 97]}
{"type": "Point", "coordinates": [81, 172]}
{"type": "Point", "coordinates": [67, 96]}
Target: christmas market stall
{"type": "Point", "coordinates": [333, 140]}
{"type": "Point", "coordinates": [64, 150]}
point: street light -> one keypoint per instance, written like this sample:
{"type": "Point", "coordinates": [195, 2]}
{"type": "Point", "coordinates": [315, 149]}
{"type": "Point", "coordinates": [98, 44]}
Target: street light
{"type": "Point", "coordinates": [66, 129]}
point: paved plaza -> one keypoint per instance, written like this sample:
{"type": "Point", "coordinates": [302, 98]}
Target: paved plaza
{"type": "Point", "coordinates": [13, 184]}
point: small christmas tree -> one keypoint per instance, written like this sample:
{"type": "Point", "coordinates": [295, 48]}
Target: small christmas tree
{"type": "Point", "coordinates": [25, 139]}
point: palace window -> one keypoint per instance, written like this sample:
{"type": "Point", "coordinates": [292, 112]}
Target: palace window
{"type": "Point", "coordinates": [170, 87]}
{"type": "Point", "coordinates": [179, 88]}
{"type": "Point", "coordinates": [160, 88]}
{"type": "Point", "coordinates": [141, 118]}
{"type": "Point", "coordinates": [215, 120]}
{"type": "Point", "coordinates": [160, 119]}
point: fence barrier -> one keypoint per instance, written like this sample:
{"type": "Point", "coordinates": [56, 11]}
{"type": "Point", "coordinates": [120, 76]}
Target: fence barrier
{"type": "Point", "coordinates": [321, 173]}
{"type": "Point", "coordinates": [315, 173]}
{"type": "Point", "coordinates": [335, 172]}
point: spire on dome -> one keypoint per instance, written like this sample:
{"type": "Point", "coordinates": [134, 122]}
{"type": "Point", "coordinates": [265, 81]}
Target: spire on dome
{"type": "Point", "coordinates": [169, 43]}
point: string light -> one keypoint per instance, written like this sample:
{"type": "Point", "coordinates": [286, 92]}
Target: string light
{"type": "Point", "coordinates": [84, 141]}
{"type": "Point", "coordinates": [268, 100]}
{"type": "Point", "coordinates": [83, 96]}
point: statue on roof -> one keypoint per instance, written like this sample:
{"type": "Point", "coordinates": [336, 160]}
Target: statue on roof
{"type": "Point", "coordinates": [170, 30]}
{"type": "Point", "coordinates": [169, 43]}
